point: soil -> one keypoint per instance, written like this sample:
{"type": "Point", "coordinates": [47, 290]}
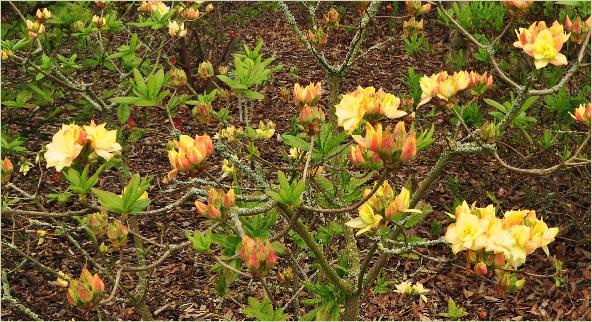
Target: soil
{"type": "Point", "coordinates": [181, 288]}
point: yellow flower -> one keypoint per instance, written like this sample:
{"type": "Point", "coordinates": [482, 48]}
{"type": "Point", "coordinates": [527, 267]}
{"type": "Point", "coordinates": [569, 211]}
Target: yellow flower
{"type": "Point", "coordinates": [65, 146]}
{"type": "Point", "coordinates": [227, 167]}
{"type": "Point", "coordinates": [400, 204]}
{"type": "Point", "coordinates": [429, 88]}
{"type": "Point", "coordinates": [350, 112]}
{"type": "Point", "coordinates": [542, 43]}
{"type": "Point", "coordinates": [265, 131]}
{"type": "Point", "coordinates": [542, 236]}
{"type": "Point", "coordinates": [366, 220]}
{"type": "Point", "coordinates": [408, 289]}
{"type": "Point", "coordinates": [99, 22]}
{"type": "Point", "coordinates": [390, 105]}
{"type": "Point", "coordinates": [582, 113]}
{"type": "Point", "coordinates": [420, 290]}
{"type": "Point", "coordinates": [176, 30]}
{"type": "Point", "coordinates": [465, 233]}
{"type": "Point", "coordinates": [103, 142]}
{"type": "Point", "coordinates": [229, 133]}
{"type": "Point", "coordinates": [160, 8]}
{"type": "Point", "coordinates": [295, 153]}
{"type": "Point", "coordinates": [404, 287]}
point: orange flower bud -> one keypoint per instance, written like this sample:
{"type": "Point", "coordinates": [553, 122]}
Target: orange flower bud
{"type": "Point", "coordinates": [189, 13]}
{"type": "Point", "coordinates": [583, 113]}
{"type": "Point", "coordinates": [331, 18]}
{"type": "Point", "coordinates": [311, 119]}
{"type": "Point", "coordinates": [318, 38]}
{"type": "Point", "coordinates": [258, 256]}
{"type": "Point", "coordinates": [87, 291]}
{"type": "Point", "coordinates": [308, 94]}
{"type": "Point", "coordinates": [97, 223]}
{"type": "Point", "coordinates": [189, 154]}
{"type": "Point", "coordinates": [480, 269]}
{"type": "Point", "coordinates": [117, 233]}
{"type": "Point", "coordinates": [178, 78]}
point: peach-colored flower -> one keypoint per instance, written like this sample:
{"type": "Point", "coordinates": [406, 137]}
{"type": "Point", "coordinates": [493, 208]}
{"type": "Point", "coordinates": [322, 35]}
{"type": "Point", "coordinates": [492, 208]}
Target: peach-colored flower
{"type": "Point", "coordinates": [543, 44]}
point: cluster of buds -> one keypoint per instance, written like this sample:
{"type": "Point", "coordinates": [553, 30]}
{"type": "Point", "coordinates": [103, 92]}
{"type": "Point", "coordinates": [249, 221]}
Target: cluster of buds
{"type": "Point", "coordinates": [488, 132]}
{"type": "Point", "coordinates": [35, 29]}
{"type": "Point", "coordinates": [478, 83]}
{"type": "Point", "coordinates": [87, 291]}
{"type": "Point", "coordinates": [154, 6]}
{"type": "Point", "coordinates": [311, 116]}
{"type": "Point", "coordinates": [202, 112]}
{"type": "Point", "coordinates": [98, 223]}
{"type": "Point", "coordinates": [508, 281]}
{"type": "Point", "coordinates": [189, 13]}
{"type": "Point", "coordinates": [42, 15]}
{"type": "Point", "coordinates": [177, 77]}
{"type": "Point", "coordinates": [501, 242]}
{"type": "Point", "coordinates": [578, 29]}
{"type": "Point", "coordinates": [7, 169]}
{"type": "Point", "coordinates": [99, 22]}
{"type": "Point", "coordinates": [366, 103]}
{"type": "Point", "coordinates": [542, 43]}
{"type": "Point", "coordinates": [71, 139]}
{"type": "Point", "coordinates": [307, 95]}
{"type": "Point", "coordinates": [177, 30]}
{"type": "Point", "coordinates": [219, 203]}
{"type": "Point", "coordinates": [446, 87]}
{"type": "Point", "coordinates": [412, 289]}
{"type": "Point", "coordinates": [7, 53]}
{"type": "Point", "coordinates": [117, 233]}
{"type": "Point", "coordinates": [517, 7]}
{"type": "Point", "coordinates": [390, 146]}
{"type": "Point", "coordinates": [415, 8]}
{"type": "Point", "coordinates": [583, 113]}
{"type": "Point", "coordinates": [331, 19]}
{"type": "Point", "coordinates": [227, 167]}
{"type": "Point", "coordinates": [258, 255]}
{"type": "Point", "coordinates": [230, 133]}
{"type": "Point", "coordinates": [412, 27]}
{"type": "Point", "coordinates": [205, 70]}
{"type": "Point", "coordinates": [265, 130]}
{"type": "Point", "coordinates": [189, 154]}
{"type": "Point", "coordinates": [318, 38]}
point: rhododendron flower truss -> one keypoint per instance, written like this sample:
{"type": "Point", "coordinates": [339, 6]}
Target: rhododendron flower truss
{"type": "Point", "coordinates": [65, 146]}
{"type": "Point", "coordinates": [583, 113]}
{"type": "Point", "coordinates": [87, 291]}
{"type": "Point", "coordinates": [543, 44]}
{"type": "Point", "coordinates": [366, 103]}
{"type": "Point", "coordinates": [578, 29]}
{"type": "Point", "coordinates": [103, 142]}
{"type": "Point", "coordinates": [446, 87]}
{"type": "Point", "coordinates": [189, 154]}
{"type": "Point", "coordinates": [366, 220]}
{"type": "Point", "coordinates": [497, 241]}
{"type": "Point", "coordinates": [307, 95]}
{"type": "Point", "coordinates": [392, 145]}
{"type": "Point", "coordinates": [258, 255]}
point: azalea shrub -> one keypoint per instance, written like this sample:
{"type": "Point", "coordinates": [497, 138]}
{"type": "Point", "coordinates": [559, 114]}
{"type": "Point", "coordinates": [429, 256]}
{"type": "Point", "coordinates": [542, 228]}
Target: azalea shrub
{"type": "Point", "coordinates": [344, 174]}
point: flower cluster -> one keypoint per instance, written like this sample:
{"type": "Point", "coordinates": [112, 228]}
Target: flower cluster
{"type": "Point", "coordinates": [311, 116]}
{"type": "Point", "coordinates": [331, 18]}
{"type": "Point", "coordinates": [412, 289]}
{"type": "Point", "coordinates": [366, 103]}
{"type": "Point", "coordinates": [42, 15]}
{"type": "Point", "coordinates": [219, 202]}
{"type": "Point", "coordinates": [318, 38]}
{"type": "Point", "coordinates": [542, 43]}
{"type": "Point", "coordinates": [99, 22]}
{"type": "Point", "coordinates": [177, 30]}
{"type": "Point", "coordinates": [583, 113]}
{"type": "Point", "coordinates": [178, 78]}
{"type": "Point", "coordinates": [87, 291]}
{"type": "Point", "coordinates": [412, 27]}
{"type": "Point", "coordinates": [189, 154]}
{"type": "Point", "coordinates": [445, 86]}
{"type": "Point", "coordinates": [578, 29]}
{"type": "Point", "coordinates": [415, 8]}
{"type": "Point", "coordinates": [189, 13]}
{"type": "Point", "coordinates": [517, 7]}
{"type": "Point", "coordinates": [383, 148]}
{"type": "Point", "coordinates": [265, 130]}
{"type": "Point", "coordinates": [258, 255]}
{"type": "Point", "coordinates": [35, 29]}
{"type": "Point", "coordinates": [497, 241]}
{"type": "Point", "coordinates": [98, 223]}
{"type": "Point", "coordinates": [154, 6]}
{"type": "Point", "coordinates": [71, 139]}
{"type": "Point", "coordinates": [205, 70]}
{"type": "Point", "coordinates": [230, 133]}
{"type": "Point", "coordinates": [383, 204]}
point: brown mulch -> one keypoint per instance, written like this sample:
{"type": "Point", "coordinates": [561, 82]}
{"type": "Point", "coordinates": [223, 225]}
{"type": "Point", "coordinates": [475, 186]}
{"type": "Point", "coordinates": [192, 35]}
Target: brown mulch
{"type": "Point", "coordinates": [182, 287]}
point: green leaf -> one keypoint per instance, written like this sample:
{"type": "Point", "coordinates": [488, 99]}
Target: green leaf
{"type": "Point", "coordinates": [263, 311]}
{"type": "Point", "coordinates": [252, 95]}
{"type": "Point", "coordinates": [109, 200]}
{"type": "Point", "coordinates": [296, 142]}
{"type": "Point", "coordinates": [123, 113]}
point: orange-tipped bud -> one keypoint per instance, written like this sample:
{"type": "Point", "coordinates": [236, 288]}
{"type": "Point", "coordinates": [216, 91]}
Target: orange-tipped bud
{"type": "Point", "coordinates": [219, 203]}
{"type": "Point", "coordinates": [42, 15]}
{"type": "Point", "coordinates": [205, 70]}
{"type": "Point", "coordinates": [87, 291]}
{"type": "Point", "coordinates": [583, 113]}
{"type": "Point", "coordinates": [517, 7]}
{"type": "Point", "coordinates": [117, 233]}
{"type": "Point", "coordinates": [189, 13]}
{"type": "Point", "coordinates": [178, 78]}
{"type": "Point", "coordinates": [318, 38]}
{"type": "Point", "coordinates": [480, 269]}
{"type": "Point", "coordinates": [479, 83]}
{"type": "Point", "coordinates": [307, 95]}
{"type": "Point", "coordinates": [190, 153]}
{"type": "Point", "coordinates": [97, 223]}
{"type": "Point", "coordinates": [331, 18]}
{"type": "Point", "coordinates": [577, 29]}
{"type": "Point", "coordinates": [393, 146]}
{"type": "Point", "coordinates": [311, 119]}
{"type": "Point", "coordinates": [7, 169]}
{"type": "Point", "coordinates": [415, 8]}
{"type": "Point", "coordinates": [412, 27]}
{"type": "Point", "coordinates": [258, 256]}
{"type": "Point", "coordinates": [488, 132]}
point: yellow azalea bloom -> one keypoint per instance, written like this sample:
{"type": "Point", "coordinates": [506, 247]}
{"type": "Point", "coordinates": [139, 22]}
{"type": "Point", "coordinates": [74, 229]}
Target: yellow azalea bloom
{"type": "Point", "coordinates": [349, 112]}
{"type": "Point", "coordinates": [404, 287]}
{"type": "Point", "coordinates": [464, 233]}
{"type": "Point", "coordinates": [542, 43]}
{"type": "Point", "coordinates": [103, 142]}
{"type": "Point", "coordinates": [521, 234]}
{"type": "Point", "coordinates": [420, 290]}
{"type": "Point", "coordinates": [542, 236]}
{"type": "Point", "coordinates": [366, 220]}
{"type": "Point", "coordinates": [383, 195]}
{"type": "Point", "coordinates": [160, 8]}
{"type": "Point", "coordinates": [295, 153]}
{"type": "Point", "coordinates": [177, 30]}
{"type": "Point", "coordinates": [429, 88]}
{"type": "Point", "coordinates": [65, 146]}
{"type": "Point", "coordinates": [514, 217]}
{"type": "Point", "coordinates": [390, 104]}
{"type": "Point", "coordinates": [583, 113]}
